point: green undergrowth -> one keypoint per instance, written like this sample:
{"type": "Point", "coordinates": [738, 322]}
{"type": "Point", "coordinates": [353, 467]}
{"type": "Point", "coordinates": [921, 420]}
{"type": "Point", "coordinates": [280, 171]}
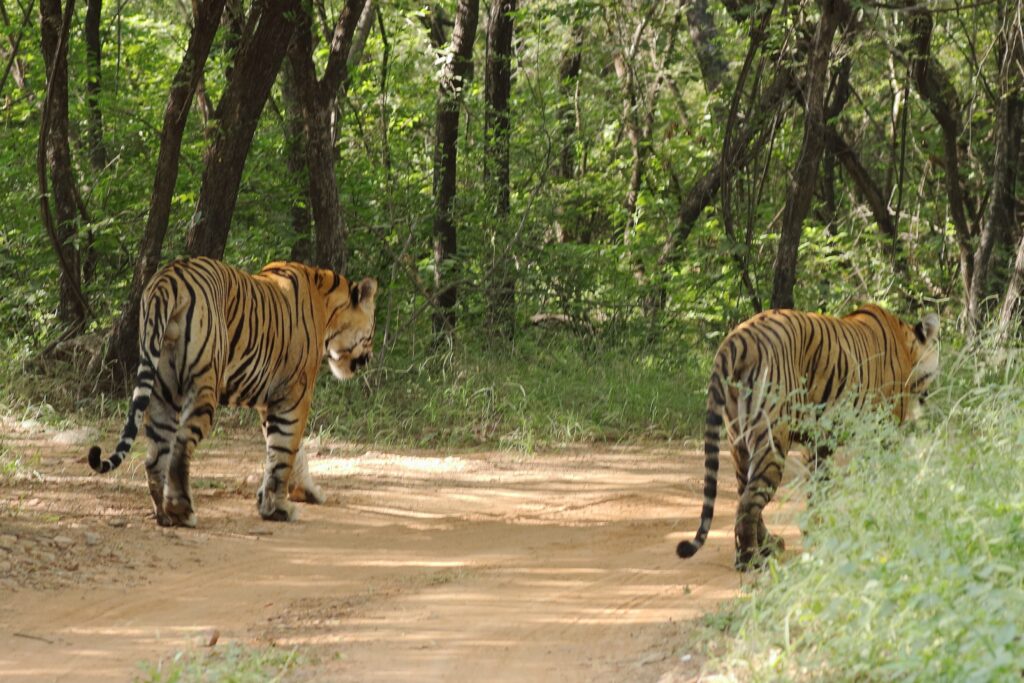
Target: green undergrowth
{"type": "Point", "coordinates": [230, 664]}
{"type": "Point", "coordinates": [913, 561]}
{"type": "Point", "coordinates": [549, 388]}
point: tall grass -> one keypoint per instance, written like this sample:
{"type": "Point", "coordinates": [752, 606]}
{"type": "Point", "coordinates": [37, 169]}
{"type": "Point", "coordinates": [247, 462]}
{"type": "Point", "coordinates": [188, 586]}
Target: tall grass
{"type": "Point", "coordinates": [913, 561]}
{"type": "Point", "coordinates": [549, 388]}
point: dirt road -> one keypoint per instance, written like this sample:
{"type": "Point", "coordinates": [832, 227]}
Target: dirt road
{"type": "Point", "coordinates": [420, 566]}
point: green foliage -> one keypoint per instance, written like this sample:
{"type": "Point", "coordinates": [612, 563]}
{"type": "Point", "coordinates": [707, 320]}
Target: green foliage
{"type": "Point", "coordinates": [228, 664]}
{"type": "Point", "coordinates": [913, 561]}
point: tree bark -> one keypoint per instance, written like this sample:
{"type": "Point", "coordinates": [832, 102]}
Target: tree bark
{"type": "Point", "coordinates": [238, 112]}
{"type": "Point", "coordinates": [295, 160]}
{"type": "Point", "coordinates": [934, 86]}
{"type": "Point", "coordinates": [798, 201]}
{"type": "Point", "coordinates": [704, 36]}
{"type": "Point", "coordinates": [316, 99]}
{"type": "Point", "coordinates": [1000, 215]}
{"type": "Point", "coordinates": [456, 69]}
{"type": "Point", "coordinates": [122, 349]}
{"type": "Point", "coordinates": [72, 309]}
{"type": "Point", "coordinates": [93, 57]}
{"type": "Point", "coordinates": [497, 89]}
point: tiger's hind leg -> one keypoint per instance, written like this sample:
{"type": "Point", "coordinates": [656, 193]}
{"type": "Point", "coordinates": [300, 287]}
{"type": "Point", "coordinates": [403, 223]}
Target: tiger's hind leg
{"type": "Point", "coordinates": [283, 425]}
{"type": "Point", "coordinates": [754, 543]}
{"type": "Point", "coordinates": [196, 423]}
{"type": "Point", "coordinates": [160, 429]}
{"type": "Point", "coordinates": [765, 539]}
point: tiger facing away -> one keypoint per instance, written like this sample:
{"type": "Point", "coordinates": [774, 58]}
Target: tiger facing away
{"type": "Point", "coordinates": [781, 368]}
{"type": "Point", "coordinates": [210, 333]}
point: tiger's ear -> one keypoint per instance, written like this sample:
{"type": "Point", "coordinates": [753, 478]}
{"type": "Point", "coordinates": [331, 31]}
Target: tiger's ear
{"type": "Point", "coordinates": [928, 329]}
{"type": "Point", "coordinates": [364, 292]}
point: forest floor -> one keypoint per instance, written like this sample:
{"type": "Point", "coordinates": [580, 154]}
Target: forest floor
{"type": "Point", "coordinates": [422, 565]}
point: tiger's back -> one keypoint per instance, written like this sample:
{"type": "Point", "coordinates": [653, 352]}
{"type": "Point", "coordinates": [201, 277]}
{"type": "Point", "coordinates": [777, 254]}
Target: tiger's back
{"type": "Point", "coordinates": [780, 369]}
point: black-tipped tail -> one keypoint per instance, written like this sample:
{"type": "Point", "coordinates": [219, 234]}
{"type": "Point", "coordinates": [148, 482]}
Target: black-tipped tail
{"type": "Point", "coordinates": [96, 459]}
{"type": "Point", "coordinates": [687, 549]}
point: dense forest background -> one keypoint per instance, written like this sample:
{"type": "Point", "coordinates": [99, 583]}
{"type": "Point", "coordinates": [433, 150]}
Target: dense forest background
{"type": "Point", "coordinates": [635, 176]}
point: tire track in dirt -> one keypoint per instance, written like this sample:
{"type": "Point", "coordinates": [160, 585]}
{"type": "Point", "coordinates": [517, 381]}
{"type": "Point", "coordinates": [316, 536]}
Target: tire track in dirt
{"type": "Point", "coordinates": [422, 565]}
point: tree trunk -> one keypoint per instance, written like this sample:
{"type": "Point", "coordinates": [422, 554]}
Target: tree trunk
{"type": "Point", "coordinates": [295, 160]}
{"type": "Point", "coordinates": [362, 32]}
{"type": "Point", "coordinates": [934, 86]}
{"type": "Point", "coordinates": [798, 201]}
{"type": "Point", "coordinates": [1000, 215]}
{"type": "Point", "coordinates": [238, 113]}
{"type": "Point", "coordinates": [497, 88]}
{"type": "Point", "coordinates": [705, 42]}
{"type": "Point", "coordinates": [316, 98]}
{"type": "Point", "coordinates": [568, 82]}
{"type": "Point", "coordinates": [72, 309]}
{"type": "Point", "coordinates": [455, 73]}
{"type": "Point", "coordinates": [122, 350]}
{"type": "Point", "coordinates": [93, 53]}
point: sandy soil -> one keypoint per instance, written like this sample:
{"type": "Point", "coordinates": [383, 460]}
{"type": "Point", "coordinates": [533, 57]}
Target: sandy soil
{"type": "Point", "coordinates": [422, 565]}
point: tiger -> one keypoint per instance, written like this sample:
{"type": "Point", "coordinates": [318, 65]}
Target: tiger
{"type": "Point", "coordinates": [212, 334]}
{"type": "Point", "coordinates": [777, 373]}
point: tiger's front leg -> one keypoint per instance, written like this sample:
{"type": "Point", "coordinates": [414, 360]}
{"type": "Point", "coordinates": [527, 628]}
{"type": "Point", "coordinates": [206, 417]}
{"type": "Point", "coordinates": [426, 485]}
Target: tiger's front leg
{"type": "Point", "coordinates": [283, 426]}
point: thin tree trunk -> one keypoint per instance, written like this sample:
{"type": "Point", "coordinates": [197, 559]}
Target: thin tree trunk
{"type": "Point", "coordinates": [122, 349]}
{"type": "Point", "coordinates": [255, 68]}
{"type": "Point", "coordinates": [14, 65]}
{"type": "Point", "coordinates": [72, 309]}
{"type": "Point", "coordinates": [699, 194]}
{"type": "Point", "coordinates": [93, 58]}
{"type": "Point", "coordinates": [1000, 214]}
{"type": "Point", "coordinates": [316, 98]}
{"type": "Point", "coordinates": [704, 35]}
{"type": "Point", "coordinates": [295, 160]}
{"type": "Point", "coordinates": [934, 86]}
{"type": "Point", "coordinates": [366, 19]}
{"type": "Point", "coordinates": [568, 83]}
{"type": "Point", "coordinates": [497, 88]}
{"type": "Point", "coordinates": [455, 72]}
{"type": "Point", "coordinates": [798, 201]}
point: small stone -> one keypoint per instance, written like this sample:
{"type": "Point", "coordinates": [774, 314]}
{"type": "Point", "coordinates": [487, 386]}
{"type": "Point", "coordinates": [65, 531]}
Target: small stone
{"type": "Point", "coordinates": [117, 522]}
{"type": "Point", "coordinates": [48, 558]}
{"type": "Point", "coordinates": [257, 531]}
{"type": "Point", "coordinates": [63, 542]}
{"type": "Point", "coordinates": [5, 567]}
{"type": "Point", "coordinates": [91, 538]}
{"type": "Point", "coordinates": [7, 541]}
{"type": "Point", "coordinates": [253, 480]}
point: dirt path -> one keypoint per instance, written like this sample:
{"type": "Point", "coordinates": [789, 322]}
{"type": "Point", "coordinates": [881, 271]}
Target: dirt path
{"type": "Point", "coordinates": [421, 566]}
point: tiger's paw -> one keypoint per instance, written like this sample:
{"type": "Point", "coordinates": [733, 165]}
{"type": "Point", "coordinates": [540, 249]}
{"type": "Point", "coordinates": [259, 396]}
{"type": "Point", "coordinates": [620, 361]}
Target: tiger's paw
{"type": "Point", "coordinates": [273, 509]}
{"type": "Point", "coordinates": [309, 493]}
{"type": "Point", "coordinates": [756, 557]}
{"type": "Point", "coordinates": [177, 512]}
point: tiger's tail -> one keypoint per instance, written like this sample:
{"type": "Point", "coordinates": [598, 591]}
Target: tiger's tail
{"type": "Point", "coordinates": [712, 435]}
{"type": "Point", "coordinates": [154, 319]}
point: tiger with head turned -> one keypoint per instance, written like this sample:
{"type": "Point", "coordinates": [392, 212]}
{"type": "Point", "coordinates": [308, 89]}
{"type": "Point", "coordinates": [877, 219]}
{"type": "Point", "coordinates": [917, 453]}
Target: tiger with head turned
{"type": "Point", "coordinates": [783, 367]}
{"type": "Point", "coordinates": [209, 334]}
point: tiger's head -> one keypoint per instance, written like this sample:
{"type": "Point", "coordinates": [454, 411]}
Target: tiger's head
{"type": "Point", "coordinates": [348, 339]}
{"type": "Point", "coordinates": [922, 340]}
